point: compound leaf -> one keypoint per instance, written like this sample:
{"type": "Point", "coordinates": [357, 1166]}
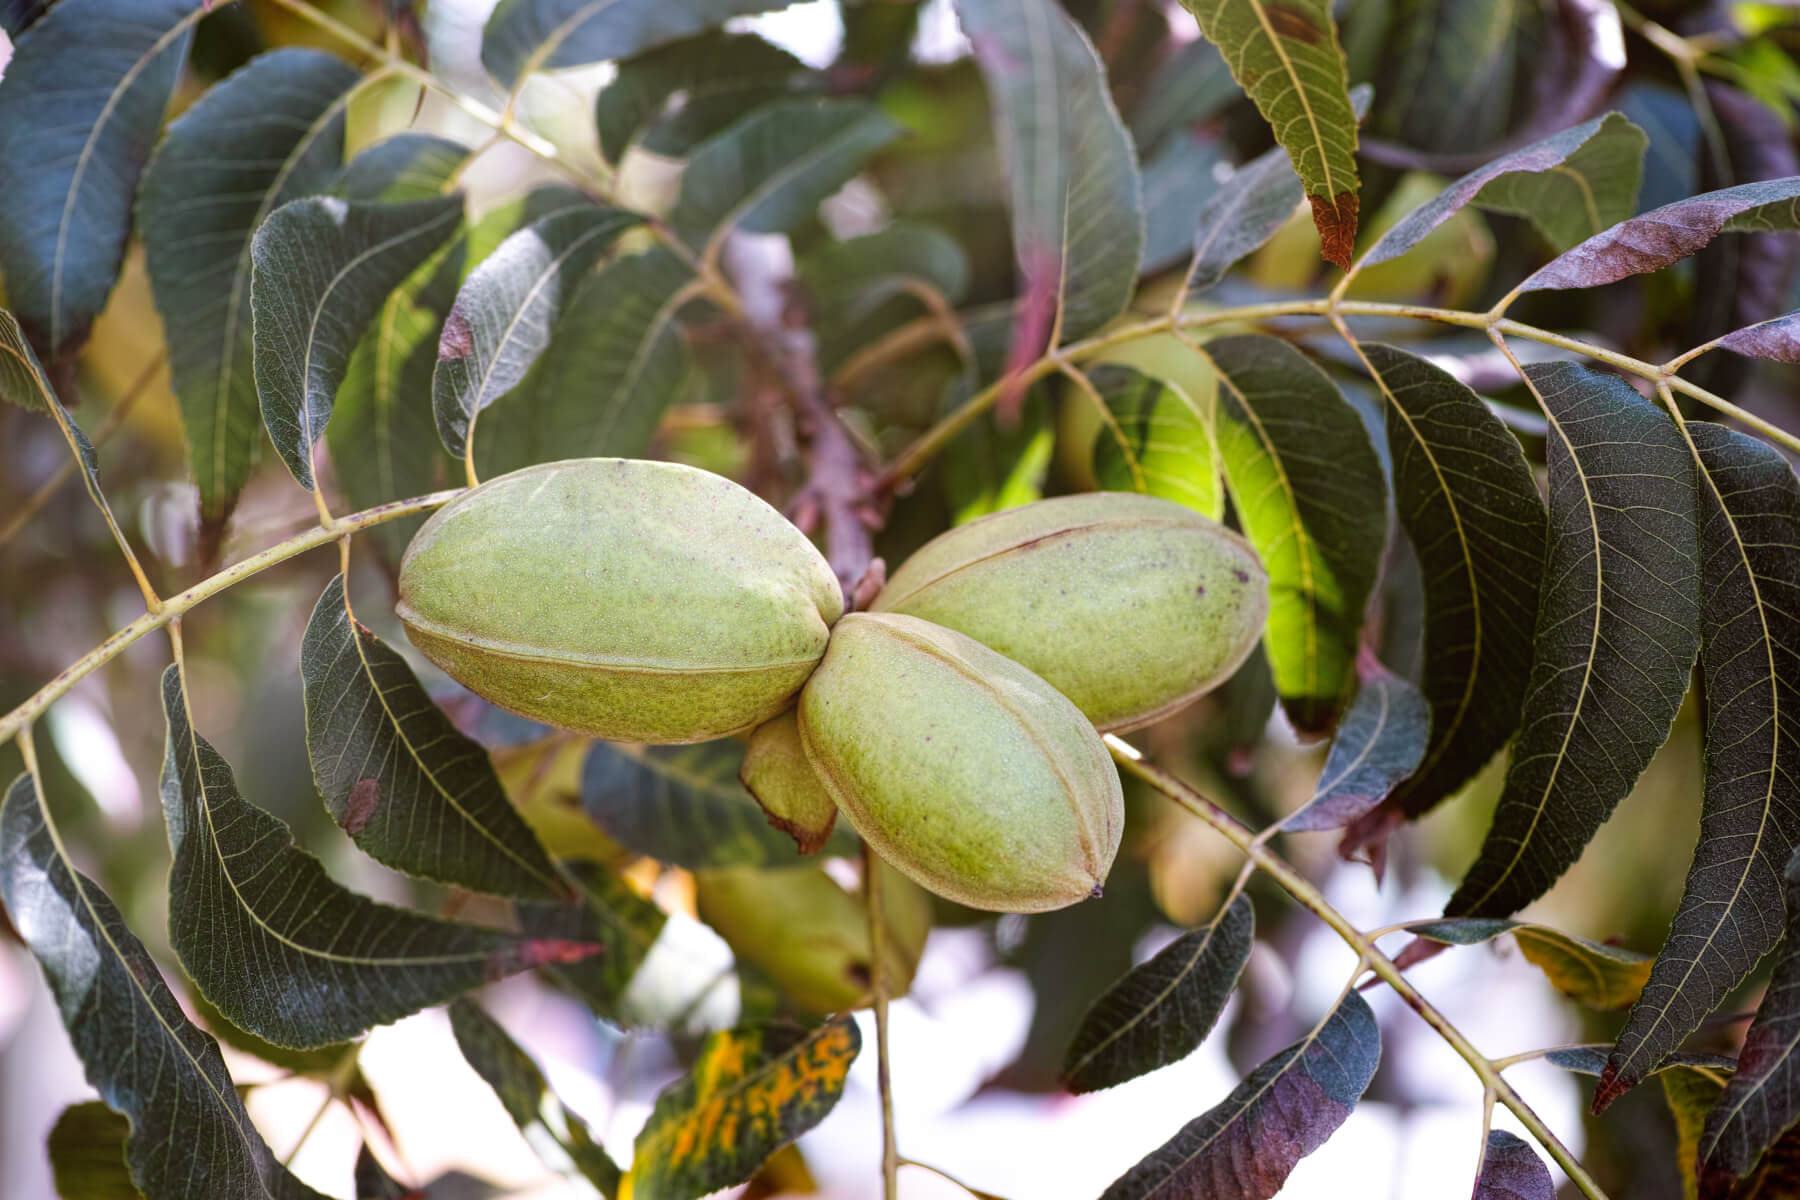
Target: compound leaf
{"type": "Point", "coordinates": [1379, 743]}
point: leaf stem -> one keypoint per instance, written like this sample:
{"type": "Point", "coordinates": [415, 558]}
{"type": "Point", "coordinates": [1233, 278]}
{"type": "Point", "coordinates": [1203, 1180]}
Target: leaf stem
{"type": "Point", "coordinates": [878, 988]}
{"type": "Point", "coordinates": [1303, 891]}
{"type": "Point", "coordinates": [174, 606]}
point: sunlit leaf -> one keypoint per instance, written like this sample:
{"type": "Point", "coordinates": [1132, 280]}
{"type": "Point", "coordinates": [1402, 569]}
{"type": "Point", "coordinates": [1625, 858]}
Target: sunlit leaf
{"type": "Point", "coordinates": [78, 116]}
{"type": "Point", "coordinates": [1244, 1148]}
{"type": "Point", "coordinates": [1467, 499]}
{"type": "Point", "coordinates": [1308, 488]}
{"type": "Point", "coordinates": [558, 1136]}
{"type": "Point", "coordinates": [1379, 743]}
{"type": "Point", "coordinates": [279, 947]}
{"type": "Point", "coordinates": [719, 76]}
{"type": "Point", "coordinates": [397, 776]}
{"type": "Point", "coordinates": [1590, 973]}
{"type": "Point", "coordinates": [399, 169]}
{"type": "Point", "coordinates": [523, 36]}
{"type": "Point", "coordinates": [750, 1092]}
{"type": "Point", "coordinates": [615, 362]}
{"type": "Point", "coordinates": [1178, 182]}
{"type": "Point", "coordinates": [147, 1060]}
{"type": "Point", "coordinates": [503, 315]}
{"type": "Point", "coordinates": [323, 269]}
{"type": "Point", "coordinates": [684, 805]}
{"type": "Point", "coordinates": [1153, 439]}
{"type": "Point", "coordinates": [87, 1154]}
{"type": "Point", "coordinates": [1570, 185]}
{"type": "Point", "coordinates": [1618, 629]}
{"type": "Point", "coordinates": [1243, 214]}
{"type": "Point", "coordinates": [1286, 58]}
{"type": "Point", "coordinates": [1511, 1170]}
{"type": "Point", "coordinates": [271, 132]}
{"type": "Point", "coordinates": [1731, 914]}
{"type": "Point", "coordinates": [1162, 1009]}
{"type": "Point", "coordinates": [769, 171]}
{"type": "Point", "coordinates": [1072, 178]}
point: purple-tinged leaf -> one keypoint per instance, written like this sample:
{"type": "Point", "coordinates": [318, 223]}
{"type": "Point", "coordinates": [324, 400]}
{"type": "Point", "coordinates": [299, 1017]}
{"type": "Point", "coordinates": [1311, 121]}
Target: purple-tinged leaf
{"type": "Point", "coordinates": [1245, 1147]}
{"type": "Point", "coordinates": [1669, 234]}
{"type": "Point", "coordinates": [1618, 628]}
{"type": "Point", "coordinates": [1730, 913]}
{"type": "Point", "coordinates": [1379, 742]}
{"type": "Point", "coordinates": [1511, 1170]}
{"type": "Point", "coordinates": [1571, 185]}
{"type": "Point", "coordinates": [1470, 507]}
{"type": "Point", "coordinates": [277, 946]}
{"type": "Point", "coordinates": [1162, 1009]}
{"type": "Point", "coordinates": [1592, 974]}
{"type": "Point", "coordinates": [1777, 339]}
{"type": "Point", "coordinates": [1243, 214]}
{"type": "Point", "coordinates": [1763, 1098]}
{"type": "Point", "coordinates": [140, 1051]}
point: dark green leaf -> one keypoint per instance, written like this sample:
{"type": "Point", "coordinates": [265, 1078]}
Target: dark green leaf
{"type": "Point", "coordinates": [684, 805]}
{"type": "Point", "coordinates": [22, 378]}
{"type": "Point", "coordinates": [769, 171]}
{"type": "Point", "coordinates": [719, 77]}
{"type": "Point", "coordinates": [1570, 185]}
{"type": "Point", "coordinates": [1669, 234]}
{"type": "Point", "coordinates": [609, 914]}
{"type": "Point", "coordinates": [1763, 1098]}
{"type": "Point", "coordinates": [503, 316]}
{"type": "Point", "coordinates": [1380, 742]}
{"type": "Point", "coordinates": [751, 1091]}
{"type": "Point", "coordinates": [402, 168]}
{"type": "Point", "coordinates": [87, 1154]}
{"type": "Point", "coordinates": [1286, 58]}
{"type": "Point", "coordinates": [16, 16]}
{"type": "Point", "coordinates": [78, 116]}
{"type": "Point", "coordinates": [1192, 86]}
{"type": "Point", "coordinates": [1244, 1148]}
{"type": "Point", "coordinates": [270, 133]}
{"type": "Point", "coordinates": [553, 1131]}
{"type": "Point", "coordinates": [1153, 439]}
{"type": "Point", "coordinates": [1077, 202]}
{"type": "Point", "coordinates": [523, 36]}
{"type": "Point", "coordinates": [147, 1060]}
{"type": "Point", "coordinates": [615, 362]}
{"type": "Point", "coordinates": [1511, 1170]}
{"type": "Point", "coordinates": [1178, 183]}
{"type": "Point", "coordinates": [1471, 509]}
{"type": "Point", "coordinates": [987, 468]}
{"type": "Point", "coordinates": [395, 773]}
{"type": "Point", "coordinates": [1730, 914]}
{"type": "Point", "coordinates": [323, 269]}
{"type": "Point", "coordinates": [1617, 631]}
{"type": "Point", "coordinates": [1161, 1010]}
{"type": "Point", "coordinates": [274, 943]}
{"type": "Point", "coordinates": [1307, 485]}
{"type": "Point", "coordinates": [374, 1183]}
{"type": "Point", "coordinates": [1589, 973]}
{"type": "Point", "coordinates": [1591, 1060]}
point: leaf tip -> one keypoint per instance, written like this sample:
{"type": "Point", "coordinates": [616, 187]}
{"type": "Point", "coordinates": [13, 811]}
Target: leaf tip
{"type": "Point", "coordinates": [1335, 218]}
{"type": "Point", "coordinates": [1613, 1084]}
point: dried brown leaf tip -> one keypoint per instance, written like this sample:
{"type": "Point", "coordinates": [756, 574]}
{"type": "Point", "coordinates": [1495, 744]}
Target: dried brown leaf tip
{"type": "Point", "coordinates": [1335, 217]}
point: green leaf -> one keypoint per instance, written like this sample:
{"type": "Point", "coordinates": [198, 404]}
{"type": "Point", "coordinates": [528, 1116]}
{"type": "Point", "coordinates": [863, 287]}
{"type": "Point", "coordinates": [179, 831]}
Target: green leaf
{"type": "Point", "coordinates": [1470, 507]}
{"type": "Point", "coordinates": [1380, 742]}
{"type": "Point", "coordinates": [684, 805]}
{"type": "Point", "coordinates": [1511, 1170]}
{"type": "Point", "coordinates": [397, 776]}
{"type": "Point", "coordinates": [503, 315]}
{"type": "Point", "coordinates": [1286, 57]}
{"type": "Point", "coordinates": [1617, 632]}
{"type": "Point", "coordinates": [719, 77]}
{"type": "Point", "coordinates": [1591, 1060]}
{"type": "Point", "coordinates": [1309, 490]}
{"type": "Point", "coordinates": [1589, 973]}
{"type": "Point", "coordinates": [1191, 86]}
{"type": "Point", "coordinates": [278, 947]}
{"type": "Point", "coordinates": [751, 1091]}
{"type": "Point", "coordinates": [1730, 915]}
{"type": "Point", "coordinates": [1570, 186]}
{"type": "Point", "coordinates": [855, 289]}
{"type": "Point", "coordinates": [1244, 1148]}
{"type": "Point", "coordinates": [524, 36]}
{"type": "Point", "coordinates": [1242, 215]}
{"type": "Point", "coordinates": [558, 1136]}
{"type": "Point", "coordinates": [768, 172]}
{"type": "Point", "coordinates": [399, 169]}
{"type": "Point", "coordinates": [16, 16]}
{"type": "Point", "coordinates": [1763, 1098]}
{"type": "Point", "coordinates": [147, 1060]}
{"type": "Point", "coordinates": [78, 116]}
{"type": "Point", "coordinates": [987, 469]}
{"type": "Point", "coordinates": [270, 133]}
{"type": "Point", "coordinates": [22, 378]}
{"type": "Point", "coordinates": [610, 914]}
{"type": "Point", "coordinates": [1076, 199]}
{"type": "Point", "coordinates": [87, 1154]}
{"type": "Point", "coordinates": [1690, 1094]}
{"type": "Point", "coordinates": [323, 269]}
{"type": "Point", "coordinates": [1153, 440]}
{"type": "Point", "coordinates": [1669, 234]}
{"type": "Point", "coordinates": [1178, 182]}
{"type": "Point", "coordinates": [615, 362]}
{"type": "Point", "coordinates": [1161, 1010]}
